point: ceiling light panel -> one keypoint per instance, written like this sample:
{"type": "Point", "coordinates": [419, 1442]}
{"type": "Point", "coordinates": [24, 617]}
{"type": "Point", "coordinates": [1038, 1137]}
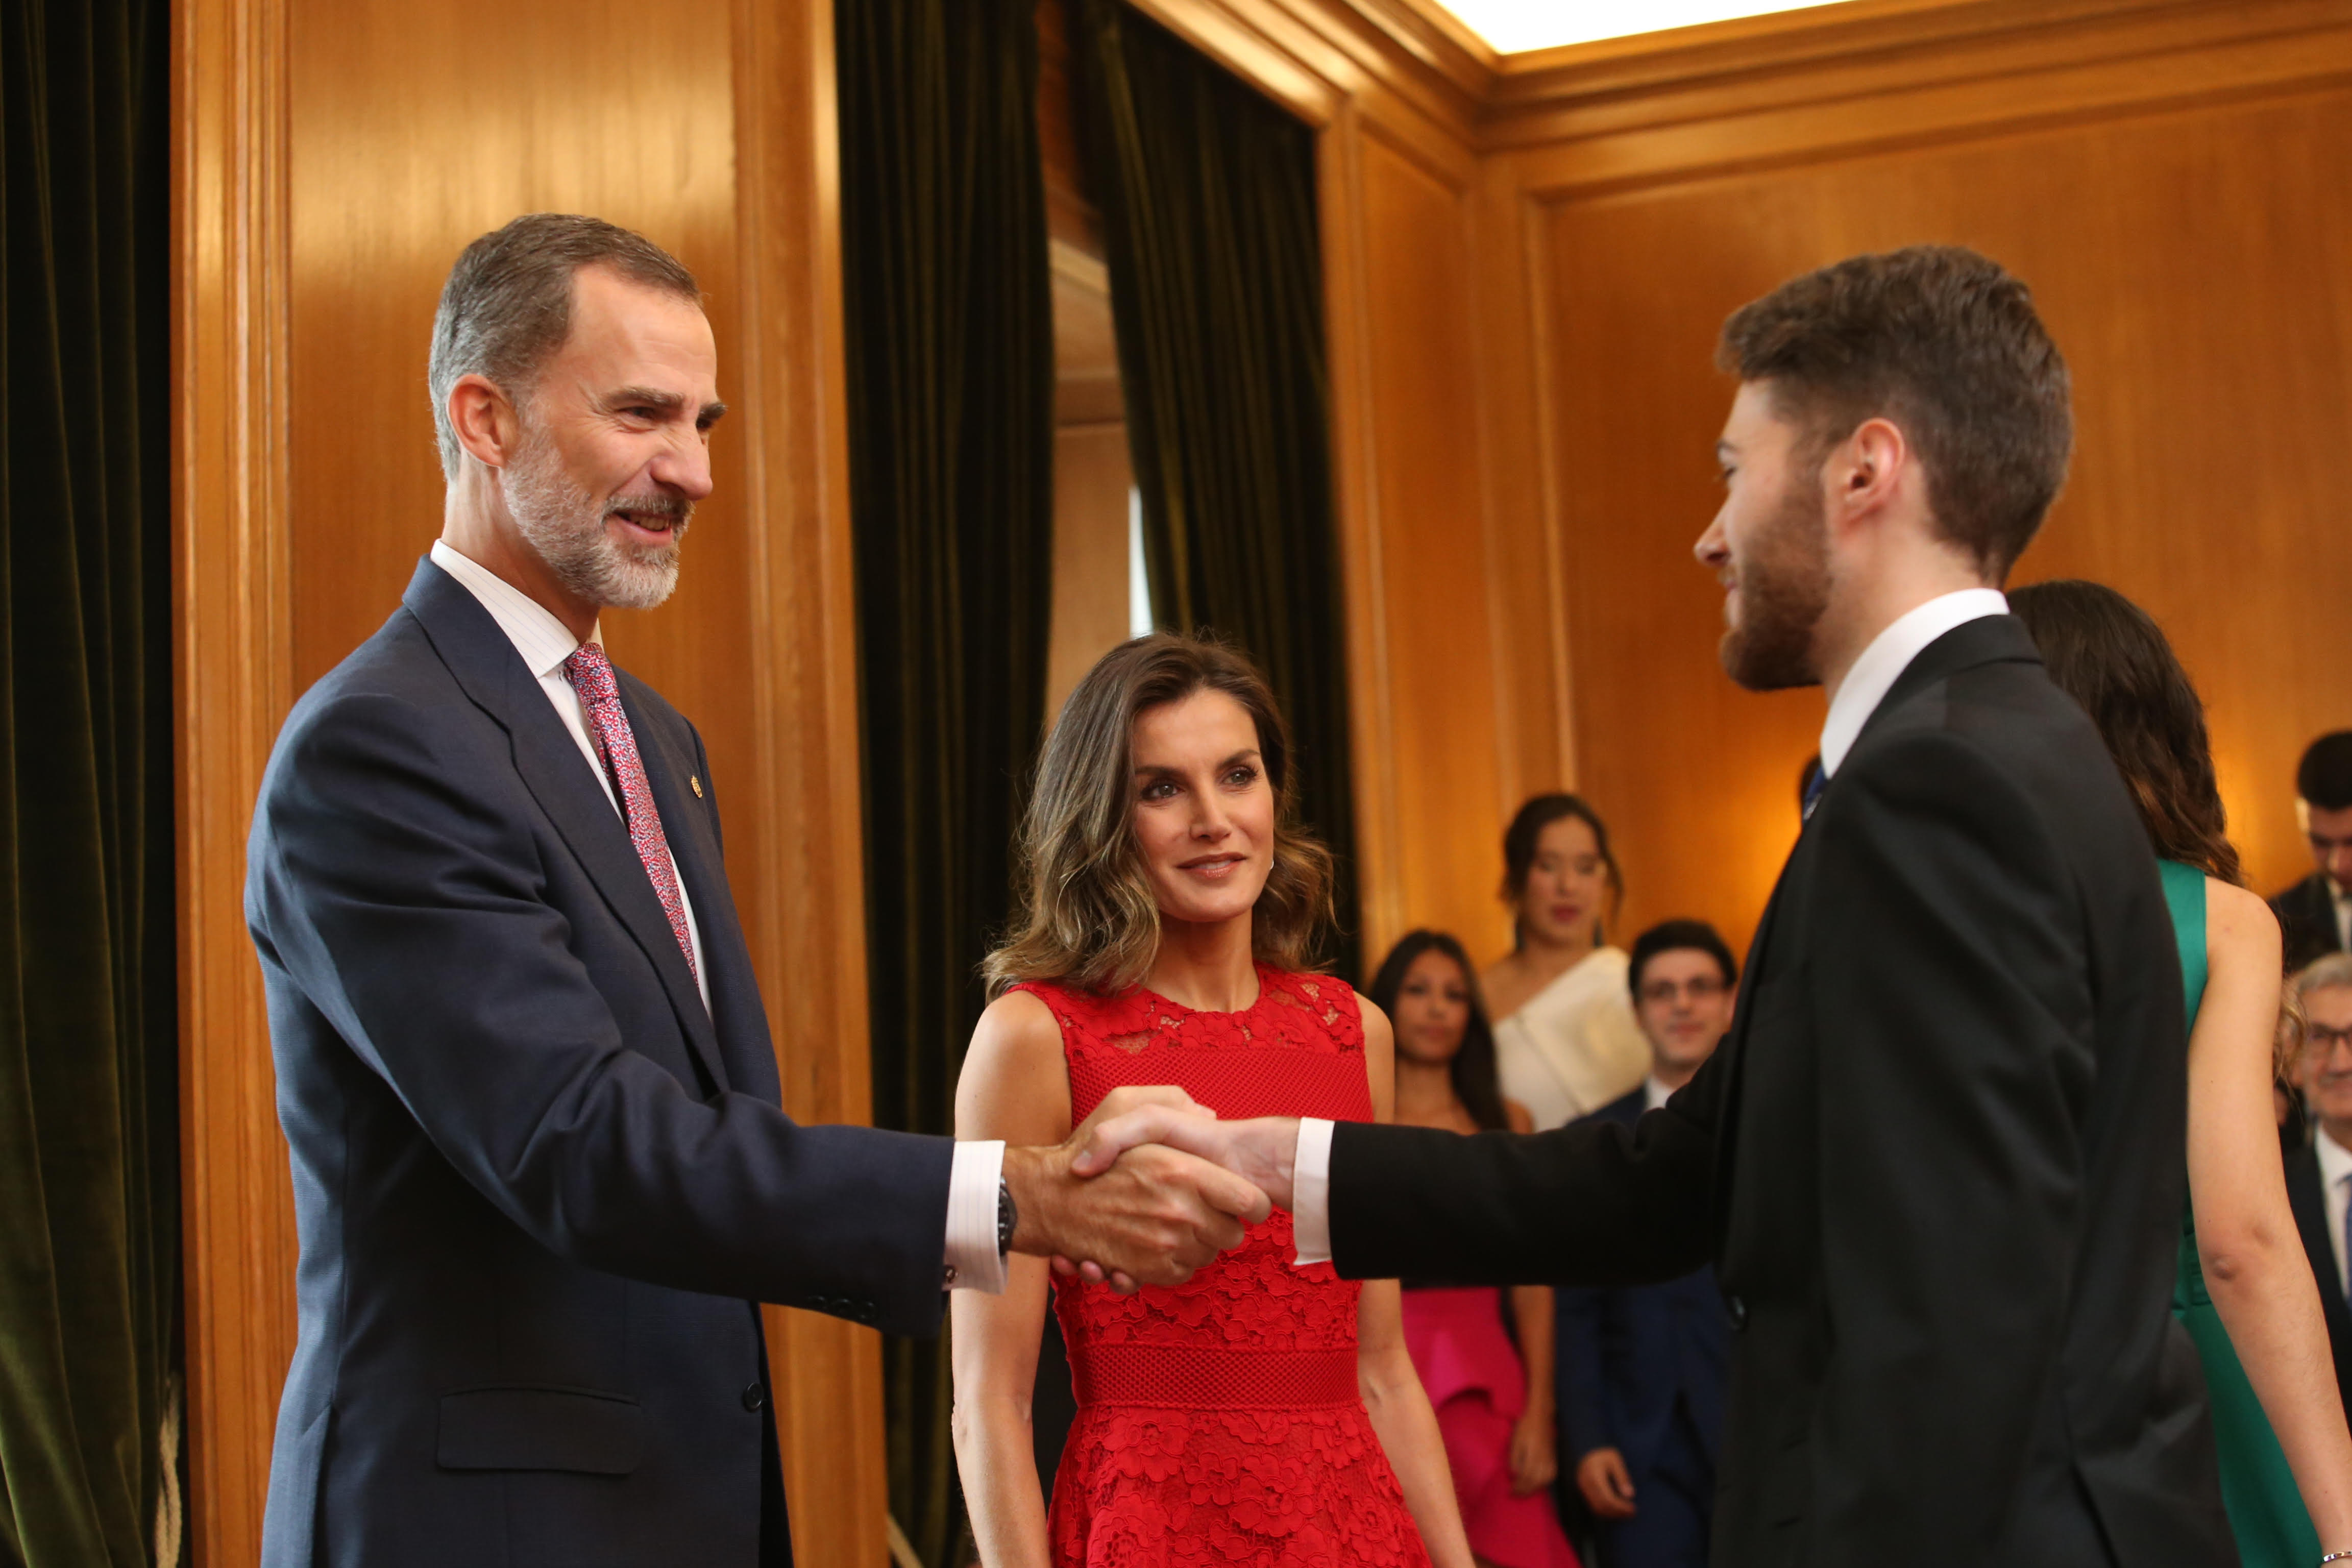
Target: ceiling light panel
{"type": "Point", "coordinates": [1513, 26]}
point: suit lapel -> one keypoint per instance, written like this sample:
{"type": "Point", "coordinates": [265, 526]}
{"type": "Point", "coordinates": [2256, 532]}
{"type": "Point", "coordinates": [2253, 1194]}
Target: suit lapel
{"type": "Point", "coordinates": [485, 664]}
{"type": "Point", "coordinates": [2309, 1202]}
{"type": "Point", "coordinates": [740, 1023]}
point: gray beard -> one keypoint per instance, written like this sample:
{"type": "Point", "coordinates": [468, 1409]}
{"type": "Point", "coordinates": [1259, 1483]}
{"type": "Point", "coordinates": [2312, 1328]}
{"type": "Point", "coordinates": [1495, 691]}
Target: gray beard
{"type": "Point", "coordinates": [566, 527]}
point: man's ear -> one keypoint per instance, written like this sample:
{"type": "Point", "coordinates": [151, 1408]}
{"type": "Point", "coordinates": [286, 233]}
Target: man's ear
{"type": "Point", "coordinates": [1867, 466]}
{"type": "Point", "coordinates": [484, 419]}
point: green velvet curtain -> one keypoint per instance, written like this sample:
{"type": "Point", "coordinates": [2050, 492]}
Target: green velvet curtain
{"type": "Point", "coordinates": [951, 351]}
{"type": "Point", "coordinates": [1207, 190]}
{"type": "Point", "coordinates": [88, 1161]}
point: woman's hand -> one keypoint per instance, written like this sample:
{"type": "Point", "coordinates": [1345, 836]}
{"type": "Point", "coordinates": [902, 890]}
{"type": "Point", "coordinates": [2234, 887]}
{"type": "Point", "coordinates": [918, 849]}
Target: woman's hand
{"type": "Point", "coordinates": [1535, 1461]}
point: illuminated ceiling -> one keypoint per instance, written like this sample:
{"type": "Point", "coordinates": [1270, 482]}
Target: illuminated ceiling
{"type": "Point", "coordinates": [1512, 26]}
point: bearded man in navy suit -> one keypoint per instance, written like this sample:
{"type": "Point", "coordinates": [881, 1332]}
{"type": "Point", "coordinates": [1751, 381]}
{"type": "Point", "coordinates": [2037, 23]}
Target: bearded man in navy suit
{"type": "Point", "coordinates": [541, 1174]}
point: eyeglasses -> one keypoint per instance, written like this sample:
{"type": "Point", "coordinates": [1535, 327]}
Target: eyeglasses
{"type": "Point", "coordinates": [2320, 1037]}
{"type": "Point", "coordinates": [1698, 989]}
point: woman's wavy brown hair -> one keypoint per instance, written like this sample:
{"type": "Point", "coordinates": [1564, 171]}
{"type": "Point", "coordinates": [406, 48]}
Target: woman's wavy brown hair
{"type": "Point", "coordinates": [2108, 655]}
{"type": "Point", "coordinates": [1089, 918]}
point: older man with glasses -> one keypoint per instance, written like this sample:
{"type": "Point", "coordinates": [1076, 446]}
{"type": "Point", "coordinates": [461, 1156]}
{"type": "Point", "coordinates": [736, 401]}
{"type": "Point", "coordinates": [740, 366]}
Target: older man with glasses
{"type": "Point", "coordinates": [2319, 1176]}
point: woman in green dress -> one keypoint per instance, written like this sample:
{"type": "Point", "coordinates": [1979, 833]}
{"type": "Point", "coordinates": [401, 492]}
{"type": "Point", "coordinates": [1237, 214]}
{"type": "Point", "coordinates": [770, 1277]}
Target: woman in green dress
{"type": "Point", "coordinates": [2244, 1293]}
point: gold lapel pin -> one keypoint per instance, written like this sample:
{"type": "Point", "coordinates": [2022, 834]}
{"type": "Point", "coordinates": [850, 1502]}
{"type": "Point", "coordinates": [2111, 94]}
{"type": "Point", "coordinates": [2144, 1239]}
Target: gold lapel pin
{"type": "Point", "coordinates": [696, 783]}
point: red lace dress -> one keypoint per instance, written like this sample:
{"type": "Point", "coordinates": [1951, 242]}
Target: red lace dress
{"type": "Point", "coordinates": [1219, 1421]}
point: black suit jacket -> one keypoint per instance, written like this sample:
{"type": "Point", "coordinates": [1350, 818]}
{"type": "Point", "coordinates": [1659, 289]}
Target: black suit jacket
{"type": "Point", "coordinates": [1938, 1161]}
{"type": "Point", "coordinates": [2306, 916]}
{"type": "Point", "coordinates": [538, 1186]}
{"type": "Point", "coordinates": [1632, 1356]}
{"type": "Point", "coordinates": [2310, 1205]}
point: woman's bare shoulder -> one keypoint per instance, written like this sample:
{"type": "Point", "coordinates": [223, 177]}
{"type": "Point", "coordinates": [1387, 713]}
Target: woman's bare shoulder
{"type": "Point", "coordinates": [1013, 1083]}
{"type": "Point", "coordinates": [2238, 926]}
{"type": "Point", "coordinates": [1505, 984]}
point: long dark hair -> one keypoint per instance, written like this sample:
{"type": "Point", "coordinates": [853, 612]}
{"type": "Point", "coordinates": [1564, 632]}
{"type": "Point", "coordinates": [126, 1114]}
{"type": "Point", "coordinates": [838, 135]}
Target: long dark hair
{"type": "Point", "coordinates": [2108, 655]}
{"type": "Point", "coordinates": [1526, 831]}
{"type": "Point", "coordinates": [1477, 1083]}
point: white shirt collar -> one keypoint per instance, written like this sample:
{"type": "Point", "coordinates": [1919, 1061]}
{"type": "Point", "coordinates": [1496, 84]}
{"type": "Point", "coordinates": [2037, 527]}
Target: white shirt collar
{"type": "Point", "coordinates": [2335, 1159]}
{"type": "Point", "coordinates": [543, 641]}
{"type": "Point", "coordinates": [1654, 1093]}
{"type": "Point", "coordinates": [1890, 652]}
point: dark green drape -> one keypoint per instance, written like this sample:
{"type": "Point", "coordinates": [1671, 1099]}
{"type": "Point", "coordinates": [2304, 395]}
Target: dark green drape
{"type": "Point", "coordinates": [1207, 190]}
{"type": "Point", "coordinates": [951, 351]}
{"type": "Point", "coordinates": [88, 1161]}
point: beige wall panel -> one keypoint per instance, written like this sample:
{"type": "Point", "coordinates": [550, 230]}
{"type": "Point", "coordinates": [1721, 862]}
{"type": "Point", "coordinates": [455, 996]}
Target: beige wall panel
{"type": "Point", "coordinates": [1444, 785]}
{"type": "Point", "coordinates": [2187, 263]}
{"type": "Point", "coordinates": [1091, 481]}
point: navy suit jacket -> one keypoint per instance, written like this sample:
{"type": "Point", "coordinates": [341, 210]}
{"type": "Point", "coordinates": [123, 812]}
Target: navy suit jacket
{"type": "Point", "coordinates": [539, 1187]}
{"type": "Point", "coordinates": [2310, 1205]}
{"type": "Point", "coordinates": [1629, 1353]}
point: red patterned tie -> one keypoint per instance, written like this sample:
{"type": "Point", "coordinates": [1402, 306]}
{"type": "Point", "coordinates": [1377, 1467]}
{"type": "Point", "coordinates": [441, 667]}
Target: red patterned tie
{"type": "Point", "coordinates": [591, 674]}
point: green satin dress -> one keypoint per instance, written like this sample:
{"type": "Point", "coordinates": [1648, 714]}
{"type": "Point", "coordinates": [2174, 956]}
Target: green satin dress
{"type": "Point", "coordinates": [2266, 1512]}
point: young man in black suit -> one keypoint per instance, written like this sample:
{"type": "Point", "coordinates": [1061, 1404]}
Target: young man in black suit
{"type": "Point", "coordinates": [1641, 1368]}
{"type": "Point", "coordinates": [2319, 1174]}
{"type": "Point", "coordinates": [2315, 914]}
{"type": "Point", "coordinates": [542, 1177]}
{"type": "Point", "coordinates": [1938, 1163]}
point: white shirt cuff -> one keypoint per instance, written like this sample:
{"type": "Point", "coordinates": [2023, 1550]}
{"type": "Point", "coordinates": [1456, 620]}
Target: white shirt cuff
{"type": "Point", "coordinates": [1310, 1192]}
{"type": "Point", "coordinates": [972, 1261]}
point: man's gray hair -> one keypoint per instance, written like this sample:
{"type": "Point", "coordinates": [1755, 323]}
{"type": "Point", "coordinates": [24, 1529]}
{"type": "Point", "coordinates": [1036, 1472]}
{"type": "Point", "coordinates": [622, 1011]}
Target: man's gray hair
{"type": "Point", "coordinates": [506, 306]}
{"type": "Point", "coordinates": [2320, 973]}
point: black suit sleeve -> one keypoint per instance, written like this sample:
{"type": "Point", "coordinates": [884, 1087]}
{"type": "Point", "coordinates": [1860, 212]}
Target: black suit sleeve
{"type": "Point", "coordinates": [402, 891]}
{"type": "Point", "coordinates": [1949, 984]}
{"type": "Point", "coordinates": [1593, 1202]}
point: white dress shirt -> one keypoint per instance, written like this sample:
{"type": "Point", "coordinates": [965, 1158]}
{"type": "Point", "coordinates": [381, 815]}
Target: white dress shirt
{"type": "Point", "coordinates": [2343, 899]}
{"type": "Point", "coordinates": [544, 642]}
{"type": "Point", "coordinates": [2336, 1187]}
{"type": "Point", "coordinates": [1874, 675]}
{"type": "Point", "coordinates": [1654, 1093]}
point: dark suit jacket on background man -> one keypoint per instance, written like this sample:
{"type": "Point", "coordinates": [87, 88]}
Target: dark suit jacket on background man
{"type": "Point", "coordinates": [1937, 1163]}
{"type": "Point", "coordinates": [2308, 929]}
{"type": "Point", "coordinates": [2305, 1196]}
{"type": "Point", "coordinates": [1635, 1359]}
{"type": "Point", "coordinates": [529, 1265]}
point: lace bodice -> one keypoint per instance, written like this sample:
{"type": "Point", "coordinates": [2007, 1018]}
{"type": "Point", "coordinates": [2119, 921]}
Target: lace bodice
{"type": "Point", "coordinates": [1218, 1420]}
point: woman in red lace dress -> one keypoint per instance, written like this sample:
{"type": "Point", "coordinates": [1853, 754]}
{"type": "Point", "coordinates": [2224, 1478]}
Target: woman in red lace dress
{"type": "Point", "coordinates": [1261, 1413]}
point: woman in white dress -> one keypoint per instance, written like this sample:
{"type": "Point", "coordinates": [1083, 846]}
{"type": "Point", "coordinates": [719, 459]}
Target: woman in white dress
{"type": "Point", "coordinates": [1566, 1042]}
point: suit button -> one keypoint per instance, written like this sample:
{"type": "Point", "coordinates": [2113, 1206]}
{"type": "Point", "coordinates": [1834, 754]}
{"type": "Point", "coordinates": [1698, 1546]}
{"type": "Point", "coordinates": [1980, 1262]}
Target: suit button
{"type": "Point", "coordinates": [866, 1313]}
{"type": "Point", "coordinates": [755, 1398]}
{"type": "Point", "coordinates": [1735, 1311]}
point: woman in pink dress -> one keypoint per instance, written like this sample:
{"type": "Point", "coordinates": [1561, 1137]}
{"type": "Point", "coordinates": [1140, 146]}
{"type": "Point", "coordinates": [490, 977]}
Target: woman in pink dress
{"type": "Point", "coordinates": [1494, 1403]}
{"type": "Point", "coordinates": [1262, 1413]}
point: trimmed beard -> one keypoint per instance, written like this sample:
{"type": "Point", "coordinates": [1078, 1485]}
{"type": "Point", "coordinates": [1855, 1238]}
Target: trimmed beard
{"type": "Point", "coordinates": [1784, 589]}
{"type": "Point", "coordinates": [562, 523]}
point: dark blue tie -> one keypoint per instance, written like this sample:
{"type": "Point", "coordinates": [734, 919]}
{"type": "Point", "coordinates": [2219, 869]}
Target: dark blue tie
{"type": "Point", "coordinates": [1813, 787]}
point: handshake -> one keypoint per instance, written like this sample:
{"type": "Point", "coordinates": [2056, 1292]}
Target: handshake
{"type": "Point", "coordinates": [1149, 1188]}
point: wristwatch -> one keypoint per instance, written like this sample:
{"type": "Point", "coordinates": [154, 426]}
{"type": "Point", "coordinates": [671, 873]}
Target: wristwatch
{"type": "Point", "coordinates": [1007, 1218]}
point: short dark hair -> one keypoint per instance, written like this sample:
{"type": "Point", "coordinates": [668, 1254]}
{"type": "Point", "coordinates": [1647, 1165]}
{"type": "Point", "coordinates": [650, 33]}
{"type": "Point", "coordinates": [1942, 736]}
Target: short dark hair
{"type": "Point", "coordinates": [1680, 936]}
{"type": "Point", "coordinates": [2324, 777]}
{"type": "Point", "coordinates": [2110, 656]}
{"type": "Point", "coordinates": [1477, 1080]}
{"type": "Point", "coordinates": [506, 306]}
{"type": "Point", "coordinates": [1526, 831]}
{"type": "Point", "coordinates": [1945, 344]}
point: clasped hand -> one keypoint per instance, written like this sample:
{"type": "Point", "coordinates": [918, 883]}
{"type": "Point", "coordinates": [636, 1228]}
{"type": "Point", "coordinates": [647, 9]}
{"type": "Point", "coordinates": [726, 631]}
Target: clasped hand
{"type": "Point", "coordinates": [1148, 1189]}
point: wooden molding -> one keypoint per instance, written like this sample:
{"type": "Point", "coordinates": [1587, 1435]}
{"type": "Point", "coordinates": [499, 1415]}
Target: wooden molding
{"type": "Point", "coordinates": [229, 496]}
{"type": "Point", "coordinates": [805, 844]}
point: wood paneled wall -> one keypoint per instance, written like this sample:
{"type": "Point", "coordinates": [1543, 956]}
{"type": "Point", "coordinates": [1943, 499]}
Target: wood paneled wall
{"type": "Point", "coordinates": [2167, 177]}
{"type": "Point", "coordinates": [333, 157]}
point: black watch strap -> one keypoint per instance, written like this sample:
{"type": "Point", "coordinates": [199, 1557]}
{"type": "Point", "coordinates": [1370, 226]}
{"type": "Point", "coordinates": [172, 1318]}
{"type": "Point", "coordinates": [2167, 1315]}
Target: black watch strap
{"type": "Point", "coordinates": [1007, 1218]}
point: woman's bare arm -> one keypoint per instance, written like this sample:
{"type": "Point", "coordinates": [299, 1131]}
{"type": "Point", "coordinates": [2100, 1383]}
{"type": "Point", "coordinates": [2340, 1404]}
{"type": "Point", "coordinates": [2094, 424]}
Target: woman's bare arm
{"type": "Point", "coordinates": [2246, 1237]}
{"type": "Point", "coordinates": [1393, 1397]}
{"type": "Point", "coordinates": [1535, 1440]}
{"type": "Point", "coordinates": [1014, 1086]}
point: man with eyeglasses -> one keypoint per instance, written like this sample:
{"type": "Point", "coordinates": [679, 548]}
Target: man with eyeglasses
{"type": "Point", "coordinates": [1640, 1369]}
{"type": "Point", "coordinates": [2319, 1176]}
